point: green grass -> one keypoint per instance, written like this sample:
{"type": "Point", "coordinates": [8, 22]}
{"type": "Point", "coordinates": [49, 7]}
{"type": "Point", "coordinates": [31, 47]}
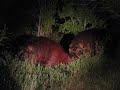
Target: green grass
{"type": "Point", "coordinates": [85, 73]}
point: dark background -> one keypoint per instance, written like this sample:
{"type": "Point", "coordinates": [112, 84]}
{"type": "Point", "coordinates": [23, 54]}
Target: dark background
{"type": "Point", "coordinates": [15, 13]}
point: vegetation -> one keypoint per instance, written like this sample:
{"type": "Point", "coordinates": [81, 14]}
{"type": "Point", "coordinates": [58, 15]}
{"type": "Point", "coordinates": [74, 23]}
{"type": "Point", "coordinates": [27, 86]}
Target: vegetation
{"type": "Point", "coordinates": [54, 17]}
{"type": "Point", "coordinates": [80, 17]}
{"type": "Point", "coordinates": [3, 35]}
{"type": "Point", "coordinates": [84, 73]}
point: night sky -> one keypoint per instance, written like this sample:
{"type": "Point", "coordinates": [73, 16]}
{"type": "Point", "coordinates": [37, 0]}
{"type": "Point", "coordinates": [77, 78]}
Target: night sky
{"type": "Point", "coordinates": [15, 12]}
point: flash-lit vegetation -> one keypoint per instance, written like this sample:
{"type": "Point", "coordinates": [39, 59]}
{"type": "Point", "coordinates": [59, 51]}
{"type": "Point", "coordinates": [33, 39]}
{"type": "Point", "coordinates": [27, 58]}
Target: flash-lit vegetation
{"type": "Point", "coordinates": [53, 21]}
{"type": "Point", "coordinates": [54, 17]}
{"type": "Point", "coordinates": [84, 73]}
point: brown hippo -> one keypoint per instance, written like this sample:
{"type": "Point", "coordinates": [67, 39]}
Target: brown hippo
{"type": "Point", "coordinates": [45, 51]}
{"type": "Point", "coordinates": [89, 41]}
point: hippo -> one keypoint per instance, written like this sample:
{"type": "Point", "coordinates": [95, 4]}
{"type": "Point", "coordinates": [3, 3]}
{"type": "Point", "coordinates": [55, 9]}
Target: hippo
{"type": "Point", "coordinates": [45, 51]}
{"type": "Point", "coordinates": [90, 41]}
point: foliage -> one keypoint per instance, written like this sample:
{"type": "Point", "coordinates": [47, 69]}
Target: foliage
{"type": "Point", "coordinates": [74, 17]}
{"type": "Point", "coordinates": [43, 14]}
{"type": "Point", "coordinates": [3, 36]}
{"type": "Point", "coordinates": [84, 73]}
{"type": "Point", "coordinates": [30, 76]}
{"type": "Point", "coordinates": [80, 16]}
{"type": "Point", "coordinates": [47, 20]}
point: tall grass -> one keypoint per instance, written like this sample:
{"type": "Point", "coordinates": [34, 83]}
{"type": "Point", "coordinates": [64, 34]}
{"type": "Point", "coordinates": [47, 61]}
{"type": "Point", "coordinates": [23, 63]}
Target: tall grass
{"type": "Point", "coordinates": [85, 73]}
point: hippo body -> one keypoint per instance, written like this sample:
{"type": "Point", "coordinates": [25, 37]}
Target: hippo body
{"type": "Point", "coordinates": [45, 51]}
{"type": "Point", "coordinates": [90, 41]}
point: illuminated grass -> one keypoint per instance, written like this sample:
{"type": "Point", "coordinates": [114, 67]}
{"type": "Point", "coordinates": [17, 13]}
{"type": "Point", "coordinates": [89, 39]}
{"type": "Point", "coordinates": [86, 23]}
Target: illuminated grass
{"type": "Point", "coordinates": [88, 73]}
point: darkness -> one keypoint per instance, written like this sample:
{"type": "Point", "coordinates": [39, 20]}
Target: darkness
{"type": "Point", "coordinates": [15, 13]}
{"type": "Point", "coordinates": [66, 41]}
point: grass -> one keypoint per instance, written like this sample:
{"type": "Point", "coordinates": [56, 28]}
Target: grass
{"type": "Point", "coordinates": [85, 73]}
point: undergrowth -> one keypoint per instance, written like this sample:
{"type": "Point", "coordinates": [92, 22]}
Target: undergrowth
{"type": "Point", "coordinates": [85, 73]}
